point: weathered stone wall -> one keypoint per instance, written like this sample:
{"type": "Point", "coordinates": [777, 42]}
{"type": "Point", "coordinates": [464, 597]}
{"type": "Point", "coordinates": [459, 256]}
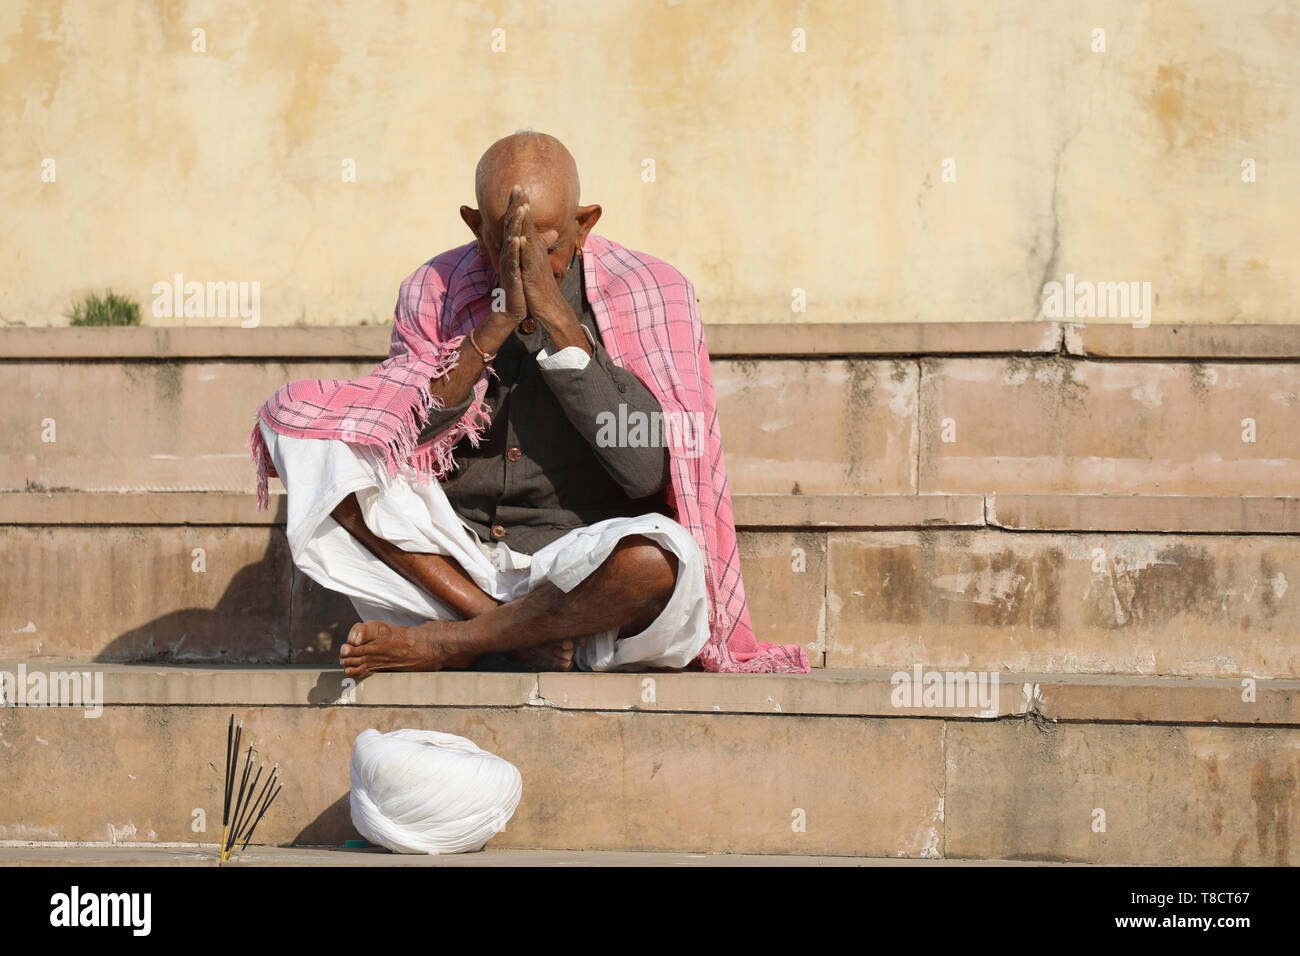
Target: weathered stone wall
{"type": "Point", "coordinates": [916, 162]}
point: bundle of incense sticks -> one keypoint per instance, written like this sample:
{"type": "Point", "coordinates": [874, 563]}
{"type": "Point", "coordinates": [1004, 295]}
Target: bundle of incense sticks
{"type": "Point", "coordinates": [248, 810]}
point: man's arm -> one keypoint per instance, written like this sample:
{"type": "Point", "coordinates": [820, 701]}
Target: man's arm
{"type": "Point", "coordinates": [589, 386]}
{"type": "Point", "coordinates": [453, 389]}
{"type": "Point", "coordinates": [440, 419]}
{"type": "Point", "coordinates": [591, 390]}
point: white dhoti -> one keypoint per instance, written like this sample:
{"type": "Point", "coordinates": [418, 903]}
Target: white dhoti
{"type": "Point", "coordinates": [416, 517]}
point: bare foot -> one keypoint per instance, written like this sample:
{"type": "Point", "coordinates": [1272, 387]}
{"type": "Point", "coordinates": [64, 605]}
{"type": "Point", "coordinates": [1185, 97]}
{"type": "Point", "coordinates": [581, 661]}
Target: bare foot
{"type": "Point", "coordinates": [378, 646]}
{"type": "Point", "coordinates": [548, 657]}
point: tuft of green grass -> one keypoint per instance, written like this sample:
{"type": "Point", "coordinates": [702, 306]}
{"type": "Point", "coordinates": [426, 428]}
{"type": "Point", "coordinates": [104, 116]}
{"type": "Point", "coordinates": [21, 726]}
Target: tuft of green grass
{"type": "Point", "coordinates": [111, 309]}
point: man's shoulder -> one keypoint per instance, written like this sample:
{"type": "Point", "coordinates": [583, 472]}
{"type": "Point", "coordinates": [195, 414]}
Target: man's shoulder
{"type": "Point", "coordinates": [449, 270]}
{"type": "Point", "coordinates": [634, 268]}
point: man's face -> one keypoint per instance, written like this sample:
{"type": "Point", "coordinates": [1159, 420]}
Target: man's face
{"type": "Point", "coordinates": [553, 214]}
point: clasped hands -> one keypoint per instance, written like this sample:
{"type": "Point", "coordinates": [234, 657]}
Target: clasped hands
{"type": "Point", "coordinates": [529, 284]}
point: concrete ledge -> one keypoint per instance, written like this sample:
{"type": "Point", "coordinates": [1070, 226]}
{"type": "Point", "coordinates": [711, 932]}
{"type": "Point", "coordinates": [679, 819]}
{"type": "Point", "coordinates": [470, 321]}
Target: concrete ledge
{"type": "Point", "coordinates": [1214, 342]}
{"type": "Point", "coordinates": [139, 508]}
{"type": "Point", "coordinates": [883, 338]}
{"type": "Point", "coordinates": [1073, 698]}
{"type": "Point", "coordinates": [748, 339]}
{"type": "Point", "coordinates": [95, 344]}
{"type": "Point", "coordinates": [857, 511]}
{"type": "Point", "coordinates": [144, 854]}
{"type": "Point", "coordinates": [128, 685]}
{"type": "Point", "coordinates": [1145, 513]}
{"type": "Point", "coordinates": [902, 785]}
{"type": "Point", "coordinates": [1056, 697]}
{"type": "Point", "coordinates": [1136, 513]}
{"type": "Point", "coordinates": [756, 339]}
{"type": "Point", "coordinates": [1078, 698]}
{"type": "Point", "coordinates": [917, 585]}
{"type": "Point", "coordinates": [592, 781]}
{"type": "Point", "coordinates": [1027, 420]}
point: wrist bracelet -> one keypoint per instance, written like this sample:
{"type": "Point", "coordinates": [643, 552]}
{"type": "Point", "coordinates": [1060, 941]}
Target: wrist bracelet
{"type": "Point", "coordinates": [481, 354]}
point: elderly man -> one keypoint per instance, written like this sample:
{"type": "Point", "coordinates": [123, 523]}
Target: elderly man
{"type": "Point", "coordinates": [555, 387]}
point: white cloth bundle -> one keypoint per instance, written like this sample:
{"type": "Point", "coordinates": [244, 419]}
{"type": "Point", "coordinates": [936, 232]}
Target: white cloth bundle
{"type": "Point", "coordinates": [420, 791]}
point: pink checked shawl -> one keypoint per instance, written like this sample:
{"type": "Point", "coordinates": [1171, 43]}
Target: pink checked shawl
{"type": "Point", "coordinates": [649, 323]}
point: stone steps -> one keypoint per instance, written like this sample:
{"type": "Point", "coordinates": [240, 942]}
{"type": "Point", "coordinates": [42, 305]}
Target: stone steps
{"type": "Point", "coordinates": [1191, 586]}
{"type": "Point", "coordinates": [1180, 771]}
{"type": "Point", "coordinates": [1079, 511]}
{"type": "Point", "coordinates": [1095, 511]}
{"type": "Point", "coordinates": [129, 855]}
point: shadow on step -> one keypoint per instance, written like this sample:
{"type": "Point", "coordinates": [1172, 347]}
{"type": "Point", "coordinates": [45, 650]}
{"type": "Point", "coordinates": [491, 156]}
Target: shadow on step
{"type": "Point", "coordinates": [333, 826]}
{"type": "Point", "coordinates": [270, 613]}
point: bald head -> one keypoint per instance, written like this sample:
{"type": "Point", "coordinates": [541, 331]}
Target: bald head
{"type": "Point", "coordinates": [536, 161]}
{"type": "Point", "coordinates": [549, 177]}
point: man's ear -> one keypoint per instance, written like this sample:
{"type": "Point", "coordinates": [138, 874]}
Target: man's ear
{"type": "Point", "coordinates": [474, 219]}
{"type": "Point", "coordinates": [586, 217]}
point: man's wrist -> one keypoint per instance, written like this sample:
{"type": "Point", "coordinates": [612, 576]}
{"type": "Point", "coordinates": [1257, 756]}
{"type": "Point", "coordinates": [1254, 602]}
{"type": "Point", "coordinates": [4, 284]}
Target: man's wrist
{"type": "Point", "coordinates": [563, 328]}
{"type": "Point", "coordinates": [492, 332]}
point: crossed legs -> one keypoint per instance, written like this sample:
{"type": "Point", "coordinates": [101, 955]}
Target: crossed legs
{"type": "Point", "coordinates": [627, 591]}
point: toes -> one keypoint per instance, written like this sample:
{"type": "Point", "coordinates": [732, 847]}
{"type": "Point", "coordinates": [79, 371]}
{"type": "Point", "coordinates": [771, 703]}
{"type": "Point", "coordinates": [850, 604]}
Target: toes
{"type": "Point", "coordinates": [368, 631]}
